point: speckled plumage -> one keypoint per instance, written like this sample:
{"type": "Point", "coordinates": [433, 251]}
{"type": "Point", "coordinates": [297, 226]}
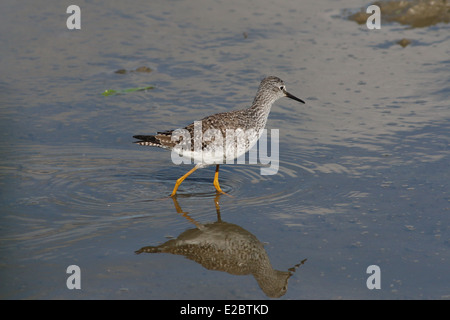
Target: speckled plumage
{"type": "Point", "coordinates": [247, 125]}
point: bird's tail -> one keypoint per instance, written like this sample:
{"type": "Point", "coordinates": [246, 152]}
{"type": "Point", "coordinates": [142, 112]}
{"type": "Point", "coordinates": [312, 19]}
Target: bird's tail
{"type": "Point", "coordinates": [148, 141]}
{"type": "Point", "coordinates": [162, 140]}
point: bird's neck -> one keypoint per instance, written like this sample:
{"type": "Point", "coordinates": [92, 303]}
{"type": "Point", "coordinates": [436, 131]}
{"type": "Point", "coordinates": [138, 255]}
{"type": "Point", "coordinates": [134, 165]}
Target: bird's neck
{"type": "Point", "coordinates": [262, 104]}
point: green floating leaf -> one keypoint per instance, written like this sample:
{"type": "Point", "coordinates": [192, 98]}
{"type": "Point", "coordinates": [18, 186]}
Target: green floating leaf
{"type": "Point", "coordinates": [111, 92]}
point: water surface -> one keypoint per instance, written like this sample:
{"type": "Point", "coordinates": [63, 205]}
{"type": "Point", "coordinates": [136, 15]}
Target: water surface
{"type": "Point", "coordinates": [363, 175]}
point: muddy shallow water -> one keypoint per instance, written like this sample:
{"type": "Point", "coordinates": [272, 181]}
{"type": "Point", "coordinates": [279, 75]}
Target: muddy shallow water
{"type": "Point", "coordinates": [363, 176]}
{"type": "Point", "coordinates": [413, 13]}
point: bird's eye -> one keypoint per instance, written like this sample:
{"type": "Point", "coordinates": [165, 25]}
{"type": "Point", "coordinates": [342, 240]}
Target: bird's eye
{"type": "Point", "coordinates": [281, 88]}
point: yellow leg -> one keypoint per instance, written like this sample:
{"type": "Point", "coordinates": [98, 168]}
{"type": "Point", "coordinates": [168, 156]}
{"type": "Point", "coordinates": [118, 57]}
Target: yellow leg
{"type": "Point", "coordinates": [216, 180]}
{"type": "Point", "coordinates": [179, 181]}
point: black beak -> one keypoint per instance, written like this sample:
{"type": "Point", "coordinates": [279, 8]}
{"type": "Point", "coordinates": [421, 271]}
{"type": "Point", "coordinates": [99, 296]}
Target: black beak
{"type": "Point", "coordinates": [293, 97]}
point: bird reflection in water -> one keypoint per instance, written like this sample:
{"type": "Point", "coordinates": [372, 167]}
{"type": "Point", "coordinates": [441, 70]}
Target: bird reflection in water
{"type": "Point", "coordinates": [226, 247]}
